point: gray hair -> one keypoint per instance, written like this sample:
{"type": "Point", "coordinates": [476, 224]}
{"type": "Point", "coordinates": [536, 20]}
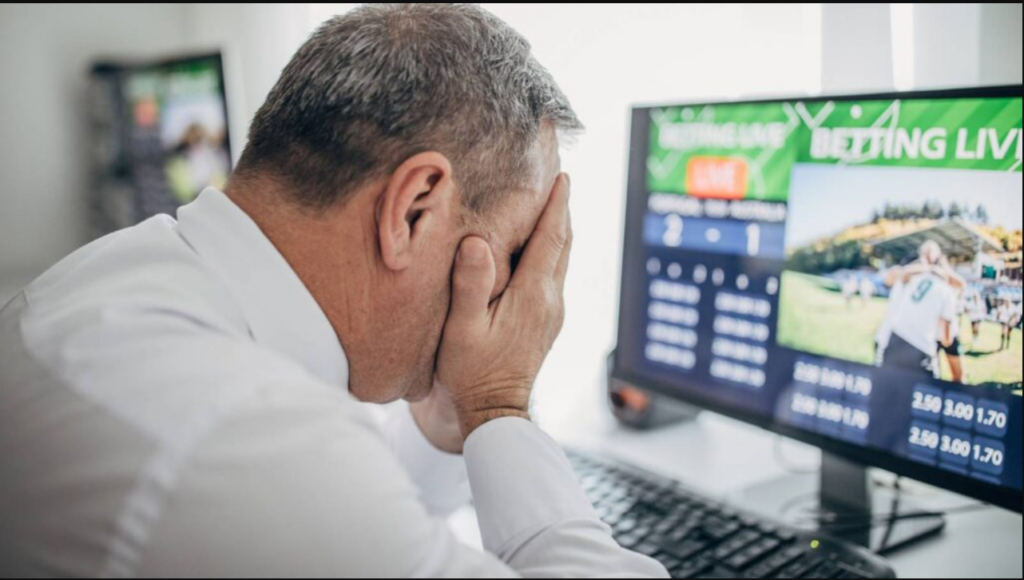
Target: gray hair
{"type": "Point", "coordinates": [384, 82]}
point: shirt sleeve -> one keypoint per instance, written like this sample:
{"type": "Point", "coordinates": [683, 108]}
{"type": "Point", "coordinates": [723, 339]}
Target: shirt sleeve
{"type": "Point", "coordinates": [533, 513]}
{"type": "Point", "coordinates": [311, 488]}
{"type": "Point", "coordinates": [440, 477]}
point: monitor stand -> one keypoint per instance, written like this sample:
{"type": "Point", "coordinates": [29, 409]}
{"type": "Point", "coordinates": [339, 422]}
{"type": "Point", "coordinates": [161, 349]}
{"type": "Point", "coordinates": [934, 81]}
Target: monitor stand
{"type": "Point", "coordinates": [840, 501]}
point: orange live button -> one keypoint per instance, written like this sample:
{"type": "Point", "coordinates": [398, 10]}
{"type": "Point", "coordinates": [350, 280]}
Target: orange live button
{"type": "Point", "coordinates": [716, 177]}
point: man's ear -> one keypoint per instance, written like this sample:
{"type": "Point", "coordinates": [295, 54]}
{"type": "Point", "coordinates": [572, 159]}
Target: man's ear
{"type": "Point", "coordinates": [417, 203]}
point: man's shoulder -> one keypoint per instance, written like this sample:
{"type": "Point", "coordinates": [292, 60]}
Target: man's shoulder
{"type": "Point", "coordinates": [138, 324]}
{"type": "Point", "coordinates": [148, 268]}
{"type": "Point", "coordinates": [131, 290]}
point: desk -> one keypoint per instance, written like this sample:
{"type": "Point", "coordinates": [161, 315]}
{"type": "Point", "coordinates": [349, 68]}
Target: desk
{"type": "Point", "coordinates": [720, 458]}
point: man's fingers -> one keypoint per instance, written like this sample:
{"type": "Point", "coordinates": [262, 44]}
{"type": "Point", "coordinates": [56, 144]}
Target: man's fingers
{"type": "Point", "coordinates": [543, 255]}
{"type": "Point", "coordinates": [563, 263]}
{"type": "Point", "coordinates": [472, 282]}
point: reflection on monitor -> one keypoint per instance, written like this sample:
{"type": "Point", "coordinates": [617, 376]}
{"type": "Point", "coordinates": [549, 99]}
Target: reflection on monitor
{"type": "Point", "coordinates": [846, 271]}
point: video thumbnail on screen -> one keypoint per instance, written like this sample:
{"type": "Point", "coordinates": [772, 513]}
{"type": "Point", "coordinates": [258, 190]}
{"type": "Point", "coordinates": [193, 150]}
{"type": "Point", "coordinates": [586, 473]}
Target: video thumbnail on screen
{"type": "Point", "coordinates": [906, 268]}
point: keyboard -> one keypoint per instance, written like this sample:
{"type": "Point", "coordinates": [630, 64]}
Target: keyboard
{"type": "Point", "coordinates": [694, 537]}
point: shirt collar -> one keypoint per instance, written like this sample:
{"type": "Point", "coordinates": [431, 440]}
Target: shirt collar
{"type": "Point", "coordinates": [281, 313]}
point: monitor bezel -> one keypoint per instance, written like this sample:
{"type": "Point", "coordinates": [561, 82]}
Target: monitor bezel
{"type": "Point", "coordinates": [636, 207]}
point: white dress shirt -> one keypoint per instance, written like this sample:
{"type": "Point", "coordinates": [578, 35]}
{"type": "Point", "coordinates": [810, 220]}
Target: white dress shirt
{"type": "Point", "coordinates": [173, 402]}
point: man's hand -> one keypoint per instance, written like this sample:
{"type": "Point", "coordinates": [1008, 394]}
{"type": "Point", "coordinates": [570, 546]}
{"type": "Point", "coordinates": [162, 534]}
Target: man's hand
{"type": "Point", "coordinates": [438, 421]}
{"type": "Point", "coordinates": [491, 353]}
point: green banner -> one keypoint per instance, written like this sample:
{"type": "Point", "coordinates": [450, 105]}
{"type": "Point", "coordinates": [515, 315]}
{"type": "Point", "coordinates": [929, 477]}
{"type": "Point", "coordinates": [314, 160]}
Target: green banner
{"type": "Point", "coordinates": [747, 151]}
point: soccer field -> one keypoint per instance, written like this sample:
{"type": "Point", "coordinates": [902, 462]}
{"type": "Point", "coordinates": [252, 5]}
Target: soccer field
{"type": "Point", "coordinates": [815, 318]}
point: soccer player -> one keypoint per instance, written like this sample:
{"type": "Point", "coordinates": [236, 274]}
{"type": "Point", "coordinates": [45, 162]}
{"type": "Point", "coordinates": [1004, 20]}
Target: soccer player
{"type": "Point", "coordinates": [954, 350]}
{"type": "Point", "coordinates": [1007, 317]}
{"type": "Point", "coordinates": [884, 335]}
{"type": "Point", "coordinates": [921, 316]}
{"type": "Point", "coordinates": [977, 311]}
{"type": "Point", "coordinates": [850, 289]}
{"type": "Point", "coordinates": [867, 290]}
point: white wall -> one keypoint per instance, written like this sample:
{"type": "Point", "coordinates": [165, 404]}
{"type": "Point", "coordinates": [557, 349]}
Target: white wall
{"type": "Point", "coordinates": [1001, 44]}
{"type": "Point", "coordinates": [45, 51]}
{"type": "Point", "coordinates": [947, 44]}
{"type": "Point", "coordinates": [857, 48]}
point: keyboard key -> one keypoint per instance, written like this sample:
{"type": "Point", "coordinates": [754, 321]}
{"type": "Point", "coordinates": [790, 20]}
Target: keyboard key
{"type": "Point", "coordinates": [693, 568]}
{"type": "Point", "coordinates": [625, 525]}
{"type": "Point", "coordinates": [772, 565]}
{"type": "Point", "coordinates": [742, 540]}
{"type": "Point", "coordinates": [719, 573]}
{"type": "Point", "coordinates": [629, 541]}
{"type": "Point", "coordinates": [669, 562]}
{"type": "Point", "coordinates": [801, 568]}
{"type": "Point", "coordinates": [745, 558]}
{"type": "Point", "coordinates": [648, 549]}
{"type": "Point", "coordinates": [686, 550]}
{"type": "Point", "coordinates": [681, 533]}
{"type": "Point", "coordinates": [719, 533]}
{"type": "Point", "coordinates": [786, 537]}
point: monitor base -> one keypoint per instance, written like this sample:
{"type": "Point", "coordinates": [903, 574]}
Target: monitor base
{"type": "Point", "coordinates": [843, 502]}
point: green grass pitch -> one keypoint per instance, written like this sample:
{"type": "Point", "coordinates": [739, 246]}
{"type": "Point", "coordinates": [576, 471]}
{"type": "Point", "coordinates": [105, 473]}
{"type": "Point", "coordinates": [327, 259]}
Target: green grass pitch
{"type": "Point", "coordinates": [815, 318]}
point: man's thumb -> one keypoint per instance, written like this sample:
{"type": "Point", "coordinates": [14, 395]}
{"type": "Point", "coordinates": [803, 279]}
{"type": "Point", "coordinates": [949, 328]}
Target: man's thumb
{"type": "Point", "coordinates": [472, 281]}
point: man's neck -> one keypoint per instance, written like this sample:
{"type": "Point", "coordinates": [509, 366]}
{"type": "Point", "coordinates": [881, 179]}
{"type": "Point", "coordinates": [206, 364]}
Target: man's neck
{"type": "Point", "coordinates": [325, 248]}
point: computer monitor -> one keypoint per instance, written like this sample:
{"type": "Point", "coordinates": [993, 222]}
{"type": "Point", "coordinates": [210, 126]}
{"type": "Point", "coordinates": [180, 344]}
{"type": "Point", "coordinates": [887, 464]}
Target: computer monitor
{"type": "Point", "coordinates": [842, 271]}
{"type": "Point", "coordinates": [161, 129]}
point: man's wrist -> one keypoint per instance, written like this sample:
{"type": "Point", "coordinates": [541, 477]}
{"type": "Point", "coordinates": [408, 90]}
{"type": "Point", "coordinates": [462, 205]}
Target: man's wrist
{"type": "Point", "coordinates": [441, 431]}
{"type": "Point", "coordinates": [472, 421]}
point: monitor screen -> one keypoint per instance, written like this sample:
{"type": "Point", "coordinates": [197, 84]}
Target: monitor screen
{"type": "Point", "coordinates": [845, 271]}
{"type": "Point", "coordinates": [161, 136]}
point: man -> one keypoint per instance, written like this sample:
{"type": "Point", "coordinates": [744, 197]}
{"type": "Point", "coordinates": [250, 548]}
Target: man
{"type": "Point", "coordinates": [850, 289]}
{"type": "Point", "coordinates": [977, 311]}
{"type": "Point", "coordinates": [187, 398]}
{"type": "Point", "coordinates": [921, 315]}
{"type": "Point", "coordinates": [954, 350]}
{"type": "Point", "coordinates": [1006, 315]}
{"type": "Point", "coordinates": [883, 337]}
{"type": "Point", "coordinates": [867, 290]}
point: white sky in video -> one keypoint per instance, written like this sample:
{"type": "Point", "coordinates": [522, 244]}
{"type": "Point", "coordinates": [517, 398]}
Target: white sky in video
{"type": "Point", "coordinates": [826, 199]}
